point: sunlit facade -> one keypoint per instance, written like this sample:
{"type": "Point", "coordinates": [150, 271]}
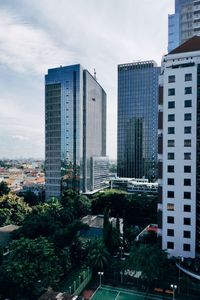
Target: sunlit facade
{"type": "Point", "coordinates": [179, 151]}
{"type": "Point", "coordinates": [75, 130]}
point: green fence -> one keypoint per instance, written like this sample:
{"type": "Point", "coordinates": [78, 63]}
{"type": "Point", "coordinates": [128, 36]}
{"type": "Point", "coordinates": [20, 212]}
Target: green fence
{"type": "Point", "coordinates": [76, 281]}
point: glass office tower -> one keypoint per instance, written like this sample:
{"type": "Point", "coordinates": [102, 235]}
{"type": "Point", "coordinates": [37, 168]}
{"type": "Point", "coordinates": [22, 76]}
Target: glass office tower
{"type": "Point", "coordinates": [75, 131]}
{"type": "Point", "coordinates": [137, 119]}
{"type": "Point", "coordinates": [184, 23]}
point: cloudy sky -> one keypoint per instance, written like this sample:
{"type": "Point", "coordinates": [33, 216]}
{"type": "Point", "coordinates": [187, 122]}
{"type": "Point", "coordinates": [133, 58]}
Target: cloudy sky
{"type": "Point", "coordinates": [39, 34]}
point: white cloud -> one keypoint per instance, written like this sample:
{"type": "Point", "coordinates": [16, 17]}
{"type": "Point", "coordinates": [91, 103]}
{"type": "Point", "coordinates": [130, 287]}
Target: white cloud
{"type": "Point", "coordinates": [20, 137]}
{"type": "Point", "coordinates": [37, 35]}
{"type": "Point", "coordinates": [26, 48]}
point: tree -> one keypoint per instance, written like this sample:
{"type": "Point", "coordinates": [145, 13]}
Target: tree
{"type": "Point", "coordinates": [149, 260]}
{"type": "Point", "coordinates": [5, 216]}
{"type": "Point", "coordinates": [79, 251]}
{"type": "Point", "coordinates": [76, 204]}
{"type": "Point", "coordinates": [98, 255]}
{"type": "Point", "coordinates": [4, 189]}
{"type": "Point", "coordinates": [31, 262]}
{"type": "Point", "coordinates": [37, 225]}
{"type": "Point", "coordinates": [65, 260]}
{"type": "Point", "coordinates": [30, 198]}
{"type": "Point", "coordinates": [65, 236]}
{"type": "Point", "coordinates": [17, 208]}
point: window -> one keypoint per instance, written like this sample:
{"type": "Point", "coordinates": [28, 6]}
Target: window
{"type": "Point", "coordinates": [187, 117]}
{"type": "Point", "coordinates": [187, 155]}
{"type": "Point", "coordinates": [187, 208]}
{"type": "Point", "coordinates": [170, 194]}
{"type": "Point", "coordinates": [187, 195]}
{"type": "Point", "coordinates": [187, 182]}
{"type": "Point", "coordinates": [187, 143]}
{"type": "Point", "coordinates": [186, 234]}
{"type": "Point", "coordinates": [170, 207]}
{"type": "Point", "coordinates": [170, 220]}
{"type": "Point", "coordinates": [171, 104]}
{"type": "Point", "coordinates": [170, 181]}
{"type": "Point", "coordinates": [170, 245]}
{"type": "Point", "coordinates": [170, 155]}
{"type": "Point", "coordinates": [171, 78]}
{"type": "Point", "coordinates": [171, 117]}
{"type": "Point", "coordinates": [187, 129]}
{"type": "Point", "coordinates": [187, 221]}
{"type": "Point", "coordinates": [186, 247]}
{"type": "Point", "coordinates": [188, 103]}
{"type": "Point", "coordinates": [171, 92]}
{"type": "Point", "coordinates": [171, 143]}
{"type": "Point", "coordinates": [170, 169]}
{"type": "Point", "coordinates": [187, 169]}
{"type": "Point", "coordinates": [171, 130]}
{"type": "Point", "coordinates": [170, 232]}
{"type": "Point", "coordinates": [188, 90]}
{"type": "Point", "coordinates": [188, 77]}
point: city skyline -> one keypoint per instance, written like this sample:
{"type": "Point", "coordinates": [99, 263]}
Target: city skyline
{"type": "Point", "coordinates": [34, 39]}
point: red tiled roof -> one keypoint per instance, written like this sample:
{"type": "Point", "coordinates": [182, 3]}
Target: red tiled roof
{"type": "Point", "coordinates": [190, 45]}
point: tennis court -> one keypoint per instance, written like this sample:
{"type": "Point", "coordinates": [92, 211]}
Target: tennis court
{"type": "Point", "coordinates": [110, 293]}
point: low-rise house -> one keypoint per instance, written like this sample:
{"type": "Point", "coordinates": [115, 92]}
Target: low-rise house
{"type": "Point", "coordinates": [6, 237]}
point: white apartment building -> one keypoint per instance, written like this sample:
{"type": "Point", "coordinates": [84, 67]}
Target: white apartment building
{"type": "Point", "coordinates": [179, 150]}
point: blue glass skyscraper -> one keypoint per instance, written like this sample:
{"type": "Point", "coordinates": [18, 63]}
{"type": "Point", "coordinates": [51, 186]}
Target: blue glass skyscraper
{"type": "Point", "coordinates": [184, 23]}
{"type": "Point", "coordinates": [75, 131]}
{"type": "Point", "coordinates": [137, 119]}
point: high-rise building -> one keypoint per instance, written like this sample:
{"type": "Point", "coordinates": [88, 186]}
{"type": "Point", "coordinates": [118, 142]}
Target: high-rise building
{"type": "Point", "coordinates": [179, 150]}
{"type": "Point", "coordinates": [137, 119]}
{"type": "Point", "coordinates": [75, 131]}
{"type": "Point", "coordinates": [184, 23]}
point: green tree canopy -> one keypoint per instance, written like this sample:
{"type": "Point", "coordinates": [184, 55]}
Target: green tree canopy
{"type": "Point", "coordinates": [149, 260]}
{"type": "Point", "coordinates": [13, 209]}
{"type": "Point", "coordinates": [30, 198]}
{"type": "Point", "coordinates": [77, 205]}
{"type": "Point", "coordinates": [4, 189]}
{"type": "Point", "coordinates": [30, 263]}
{"type": "Point", "coordinates": [98, 255]}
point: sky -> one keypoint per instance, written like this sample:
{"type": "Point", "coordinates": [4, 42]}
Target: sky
{"type": "Point", "coordinates": [39, 34]}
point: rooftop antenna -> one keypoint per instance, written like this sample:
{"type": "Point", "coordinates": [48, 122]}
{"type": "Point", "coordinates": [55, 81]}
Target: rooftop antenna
{"type": "Point", "coordinates": [95, 74]}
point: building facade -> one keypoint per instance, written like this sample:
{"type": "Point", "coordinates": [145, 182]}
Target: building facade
{"type": "Point", "coordinates": [75, 130]}
{"type": "Point", "coordinates": [137, 119]}
{"type": "Point", "coordinates": [179, 150]}
{"type": "Point", "coordinates": [184, 23]}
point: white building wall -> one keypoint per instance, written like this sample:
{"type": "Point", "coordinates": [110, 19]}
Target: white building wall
{"type": "Point", "coordinates": [179, 162]}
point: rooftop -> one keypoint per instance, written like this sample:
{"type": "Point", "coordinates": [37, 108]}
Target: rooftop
{"type": "Point", "coordinates": [190, 45]}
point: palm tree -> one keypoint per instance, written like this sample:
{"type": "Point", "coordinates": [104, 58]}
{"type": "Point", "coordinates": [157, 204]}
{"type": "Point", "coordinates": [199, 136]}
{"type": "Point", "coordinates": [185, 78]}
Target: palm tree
{"type": "Point", "coordinates": [98, 255]}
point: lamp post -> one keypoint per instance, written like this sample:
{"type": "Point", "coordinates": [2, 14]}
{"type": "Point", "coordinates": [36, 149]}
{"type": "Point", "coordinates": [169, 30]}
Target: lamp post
{"type": "Point", "coordinates": [174, 287]}
{"type": "Point", "coordinates": [121, 273]}
{"type": "Point", "coordinates": [179, 273]}
{"type": "Point", "coordinates": [79, 277]}
{"type": "Point", "coordinates": [100, 274]}
{"type": "Point", "coordinates": [121, 249]}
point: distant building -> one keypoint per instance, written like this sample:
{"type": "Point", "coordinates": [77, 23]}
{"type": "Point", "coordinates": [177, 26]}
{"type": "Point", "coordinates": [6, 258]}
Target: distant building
{"type": "Point", "coordinates": [184, 23]}
{"type": "Point", "coordinates": [179, 150]}
{"type": "Point", "coordinates": [6, 236]}
{"type": "Point", "coordinates": [134, 185]}
{"type": "Point", "coordinates": [75, 134]}
{"type": "Point", "coordinates": [137, 119]}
